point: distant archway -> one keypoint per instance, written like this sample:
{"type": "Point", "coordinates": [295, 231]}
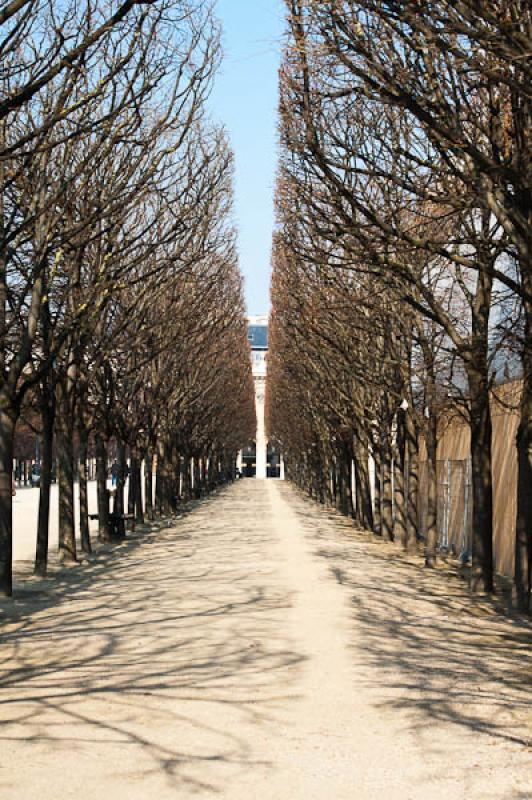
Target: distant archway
{"type": "Point", "coordinates": [249, 460]}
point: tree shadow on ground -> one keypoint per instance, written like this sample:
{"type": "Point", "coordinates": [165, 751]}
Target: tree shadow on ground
{"type": "Point", "coordinates": [440, 654]}
{"type": "Point", "coordinates": [169, 643]}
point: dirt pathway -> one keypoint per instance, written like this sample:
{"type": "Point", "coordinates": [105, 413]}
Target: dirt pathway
{"type": "Point", "coordinates": [260, 649]}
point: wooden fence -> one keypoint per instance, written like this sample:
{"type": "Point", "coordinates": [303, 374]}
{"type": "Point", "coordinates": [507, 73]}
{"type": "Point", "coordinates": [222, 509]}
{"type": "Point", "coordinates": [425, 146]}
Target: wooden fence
{"type": "Point", "coordinates": [454, 479]}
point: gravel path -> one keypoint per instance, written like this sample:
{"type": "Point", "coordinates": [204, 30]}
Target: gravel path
{"type": "Point", "coordinates": [260, 649]}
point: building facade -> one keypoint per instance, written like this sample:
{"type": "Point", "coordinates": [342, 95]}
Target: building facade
{"type": "Point", "coordinates": [260, 459]}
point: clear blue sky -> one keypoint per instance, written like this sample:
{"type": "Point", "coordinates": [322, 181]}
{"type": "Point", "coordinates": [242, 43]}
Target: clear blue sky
{"type": "Point", "coordinates": [245, 101]}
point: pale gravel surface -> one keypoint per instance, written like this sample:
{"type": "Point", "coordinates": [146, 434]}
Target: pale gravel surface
{"type": "Point", "coordinates": [260, 648]}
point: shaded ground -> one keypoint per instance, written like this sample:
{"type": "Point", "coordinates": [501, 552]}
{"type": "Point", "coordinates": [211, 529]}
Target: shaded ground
{"type": "Point", "coordinates": [25, 515]}
{"type": "Point", "coordinates": [260, 648]}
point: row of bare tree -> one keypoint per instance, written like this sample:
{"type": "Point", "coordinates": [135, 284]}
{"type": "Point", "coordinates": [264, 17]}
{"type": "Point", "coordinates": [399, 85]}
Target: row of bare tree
{"type": "Point", "coordinates": [402, 257]}
{"type": "Point", "coordinates": [121, 309]}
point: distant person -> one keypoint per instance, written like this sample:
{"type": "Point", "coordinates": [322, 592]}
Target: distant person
{"type": "Point", "coordinates": [13, 487]}
{"type": "Point", "coordinates": [114, 473]}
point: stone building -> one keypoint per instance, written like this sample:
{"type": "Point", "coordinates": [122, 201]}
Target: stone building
{"type": "Point", "coordinates": [260, 459]}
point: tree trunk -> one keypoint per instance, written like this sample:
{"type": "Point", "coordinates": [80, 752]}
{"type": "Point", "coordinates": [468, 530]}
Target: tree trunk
{"type": "Point", "coordinates": [431, 533]}
{"type": "Point", "coordinates": [523, 524]}
{"type": "Point", "coordinates": [364, 505]}
{"type": "Point", "coordinates": [338, 483]}
{"type": "Point", "coordinates": [47, 440]}
{"type": "Point", "coordinates": [175, 480]}
{"type": "Point", "coordinates": [158, 479]}
{"type": "Point", "coordinates": [481, 462]}
{"type": "Point", "coordinates": [197, 479]}
{"type": "Point", "coordinates": [481, 480]}
{"type": "Point", "coordinates": [181, 480]}
{"type": "Point", "coordinates": [104, 533]}
{"type": "Point", "coordinates": [148, 484]}
{"type": "Point", "coordinates": [212, 477]}
{"type": "Point", "coordinates": [65, 481]}
{"type": "Point", "coordinates": [377, 510]}
{"type": "Point", "coordinates": [333, 481]}
{"type": "Point", "coordinates": [137, 479]}
{"type": "Point", "coordinates": [83, 495]}
{"type": "Point", "coordinates": [344, 480]}
{"type": "Point", "coordinates": [132, 484]}
{"type": "Point", "coordinates": [387, 509]}
{"type": "Point", "coordinates": [166, 455]}
{"type": "Point", "coordinates": [399, 523]}
{"type": "Point", "coordinates": [201, 475]}
{"type": "Point", "coordinates": [118, 504]}
{"type": "Point", "coordinates": [412, 480]}
{"type": "Point", "coordinates": [8, 418]}
{"type": "Point", "coordinates": [188, 479]}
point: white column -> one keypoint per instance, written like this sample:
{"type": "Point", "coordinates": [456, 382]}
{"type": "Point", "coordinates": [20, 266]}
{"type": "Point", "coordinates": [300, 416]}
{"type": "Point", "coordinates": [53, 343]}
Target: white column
{"type": "Point", "coordinates": [261, 434]}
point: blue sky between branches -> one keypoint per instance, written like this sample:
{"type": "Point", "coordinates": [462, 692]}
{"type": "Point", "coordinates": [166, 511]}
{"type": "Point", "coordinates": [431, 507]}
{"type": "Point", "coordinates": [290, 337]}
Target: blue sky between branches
{"type": "Point", "coordinates": [245, 101]}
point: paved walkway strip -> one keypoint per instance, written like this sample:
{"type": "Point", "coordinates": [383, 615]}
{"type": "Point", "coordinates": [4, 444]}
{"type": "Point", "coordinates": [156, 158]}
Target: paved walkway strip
{"type": "Point", "coordinates": [261, 649]}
